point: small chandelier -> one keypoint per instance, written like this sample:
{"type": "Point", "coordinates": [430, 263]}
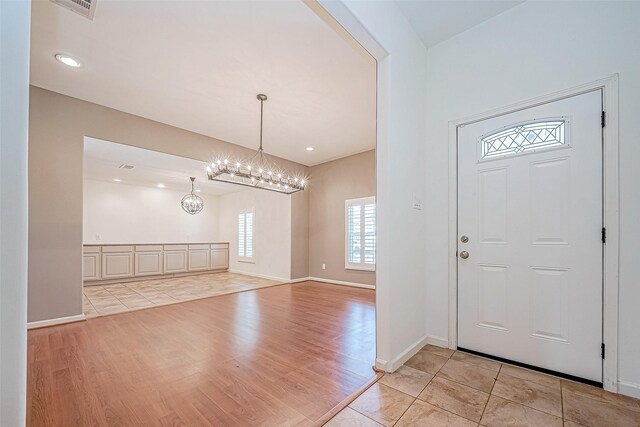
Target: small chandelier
{"type": "Point", "coordinates": [258, 171]}
{"type": "Point", "coordinates": [192, 203]}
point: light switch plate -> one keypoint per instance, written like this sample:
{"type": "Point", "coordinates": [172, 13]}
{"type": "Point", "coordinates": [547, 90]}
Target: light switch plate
{"type": "Point", "coordinates": [417, 203]}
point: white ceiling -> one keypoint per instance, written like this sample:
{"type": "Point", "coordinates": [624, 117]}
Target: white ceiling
{"type": "Point", "coordinates": [103, 158]}
{"type": "Point", "coordinates": [436, 21]}
{"type": "Point", "coordinates": [198, 65]}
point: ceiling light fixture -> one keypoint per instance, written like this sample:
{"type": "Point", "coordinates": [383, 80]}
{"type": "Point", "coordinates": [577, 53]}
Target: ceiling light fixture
{"type": "Point", "coordinates": [192, 203]}
{"type": "Point", "coordinates": [243, 172]}
{"type": "Point", "coordinates": [160, 185]}
{"type": "Point", "coordinates": [67, 60]}
{"type": "Point", "coordinates": [117, 179]}
{"type": "Point", "coordinates": [310, 148]}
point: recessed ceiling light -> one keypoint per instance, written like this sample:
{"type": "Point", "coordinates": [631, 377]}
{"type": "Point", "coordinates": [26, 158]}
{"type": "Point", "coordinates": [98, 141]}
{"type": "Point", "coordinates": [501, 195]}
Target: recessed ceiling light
{"type": "Point", "coordinates": [117, 179]}
{"type": "Point", "coordinates": [67, 60]}
{"type": "Point", "coordinates": [197, 191]}
{"type": "Point", "coordinates": [160, 185]}
{"type": "Point", "coordinates": [310, 148]}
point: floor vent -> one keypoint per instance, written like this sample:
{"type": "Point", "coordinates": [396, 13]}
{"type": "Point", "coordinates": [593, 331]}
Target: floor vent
{"type": "Point", "coordinates": [85, 8]}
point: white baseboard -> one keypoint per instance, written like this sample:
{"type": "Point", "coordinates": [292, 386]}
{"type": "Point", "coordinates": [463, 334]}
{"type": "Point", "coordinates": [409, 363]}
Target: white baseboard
{"type": "Point", "coordinates": [261, 276]}
{"type": "Point", "coordinates": [629, 389]}
{"type": "Point", "coordinates": [340, 282]}
{"type": "Point", "coordinates": [381, 364]}
{"type": "Point", "coordinates": [58, 321]}
{"type": "Point", "coordinates": [408, 353]}
{"type": "Point", "coordinates": [438, 341]}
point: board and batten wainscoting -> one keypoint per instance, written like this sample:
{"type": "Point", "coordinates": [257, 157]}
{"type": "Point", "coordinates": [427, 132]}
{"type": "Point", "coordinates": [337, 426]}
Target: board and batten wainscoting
{"type": "Point", "coordinates": [102, 264]}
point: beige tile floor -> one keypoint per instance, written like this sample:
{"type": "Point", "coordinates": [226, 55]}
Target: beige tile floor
{"type": "Point", "coordinates": [440, 387]}
{"type": "Point", "coordinates": [101, 300]}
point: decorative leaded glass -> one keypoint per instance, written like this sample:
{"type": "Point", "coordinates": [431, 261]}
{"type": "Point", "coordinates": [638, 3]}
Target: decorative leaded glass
{"type": "Point", "coordinates": [523, 138]}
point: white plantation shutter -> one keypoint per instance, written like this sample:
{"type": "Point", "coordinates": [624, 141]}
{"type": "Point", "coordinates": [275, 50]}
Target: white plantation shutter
{"type": "Point", "coordinates": [360, 233]}
{"type": "Point", "coordinates": [245, 235]}
{"type": "Point", "coordinates": [369, 238]}
{"type": "Point", "coordinates": [241, 248]}
{"type": "Point", "coordinates": [249, 235]}
{"type": "Point", "coordinates": [354, 234]}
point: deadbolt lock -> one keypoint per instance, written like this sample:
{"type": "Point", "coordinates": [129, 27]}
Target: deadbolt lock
{"type": "Point", "coordinates": [464, 239]}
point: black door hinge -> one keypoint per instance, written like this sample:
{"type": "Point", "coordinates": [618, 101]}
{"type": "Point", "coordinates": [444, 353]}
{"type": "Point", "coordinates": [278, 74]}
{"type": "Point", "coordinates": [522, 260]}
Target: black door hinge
{"type": "Point", "coordinates": [604, 119]}
{"type": "Point", "coordinates": [604, 235]}
{"type": "Point", "coordinates": [602, 350]}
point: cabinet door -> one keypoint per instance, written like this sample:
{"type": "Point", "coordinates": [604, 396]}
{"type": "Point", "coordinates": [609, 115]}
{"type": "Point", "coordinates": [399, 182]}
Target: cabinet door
{"type": "Point", "coordinates": [117, 265]}
{"type": "Point", "coordinates": [175, 261]}
{"type": "Point", "coordinates": [219, 259]}
{"type": "Point", "coordinates": [148, 263]}
{"type": "Point", "coordinates": [198, 259]}
{"type": "Point", "coordinates": [91, 266]}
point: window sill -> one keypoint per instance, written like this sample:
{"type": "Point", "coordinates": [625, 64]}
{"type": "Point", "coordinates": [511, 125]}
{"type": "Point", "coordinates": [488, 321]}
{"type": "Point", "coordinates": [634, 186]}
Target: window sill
{"type": "Point", "coordinates": [358, 268]}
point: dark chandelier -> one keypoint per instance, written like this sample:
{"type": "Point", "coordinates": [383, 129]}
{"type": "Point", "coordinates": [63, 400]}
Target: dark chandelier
{"type": "Point", "coordinates": [258, 171]}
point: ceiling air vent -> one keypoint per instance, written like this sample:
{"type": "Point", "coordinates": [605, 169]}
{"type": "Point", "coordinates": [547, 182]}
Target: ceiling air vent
{"type": "Point", "coordinates": [125, 166]}
{"type": "Point", "coordinates": [85, 8]}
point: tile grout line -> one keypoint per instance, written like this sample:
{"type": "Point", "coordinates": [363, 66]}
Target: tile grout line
{"type": "Point", "coordinates": [562, 404]}
{"type": "Point", "coordinates": [490, 394]}
{"type": "Point", "coordinates": [416, 398]}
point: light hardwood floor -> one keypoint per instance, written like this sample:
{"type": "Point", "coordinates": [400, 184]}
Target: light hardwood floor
{"type": "Point", "coordinates": [278, 356]}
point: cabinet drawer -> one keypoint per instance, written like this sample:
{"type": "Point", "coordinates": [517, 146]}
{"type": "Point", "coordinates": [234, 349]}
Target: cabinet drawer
{"type": "Point", "coordinates": [91, 249]}
{"type": "Point", "coordinates": [149, 248]}
{"type": "Point", "coordinates": [117, 248]}
{"type": "Point", "coordinates": [198, 247]}
{"type": "Point", "coordinates": [176, 247]}
{"type": "Point", "coordinates": [219, 246]}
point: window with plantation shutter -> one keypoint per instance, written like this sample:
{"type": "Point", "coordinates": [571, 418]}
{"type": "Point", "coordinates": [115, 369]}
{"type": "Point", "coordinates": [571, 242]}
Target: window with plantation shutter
{"type": "Point", "coordinates": [245, 235]}
{"type": "Point", "coordinates": [360, 234]}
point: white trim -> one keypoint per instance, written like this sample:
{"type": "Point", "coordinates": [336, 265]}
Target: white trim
{"type": "Point", "coordinates": [305, 279]}
{"type": "Point", "coordinates": [408, 353]}
{"type": "Point", "coordinates": [629, 389]}
{"type": "Point", "coordinates": [342, 283]}
{"type": "Point", "coordinates": [301, 279]}
{"type": "Point", "coordinates": [261, 276]}
{"type": "Point", "coordinates": [609, 88]}
{"type": "Point", "coordinates": [58, 321]}
{"type": "Point", "coordinates": [437, 341]}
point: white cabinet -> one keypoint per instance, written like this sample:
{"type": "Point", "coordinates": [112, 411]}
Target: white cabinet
{"type": "Point", "coordinates": [148, 260]}
{"type": "Point", "coordinates": [91, 263]}
{"type": "Point", "coordinates": [112, 262]}
{"type": "Point", "coordinates": [198, 257]}
{"type": "Point", "coordinates": [219, 256]}
{"type": "Point", "coordinates": [175, 258]}
{"type": "Point", "coordinates": [117, 262]}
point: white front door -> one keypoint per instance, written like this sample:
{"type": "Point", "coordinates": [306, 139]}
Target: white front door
{"type": "Point", "coordinates": [530, 206]}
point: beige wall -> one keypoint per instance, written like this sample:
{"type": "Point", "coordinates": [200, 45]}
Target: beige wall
{"type": "Point", "coordinates": [57, 127]}
{"type": "Point", "coordinates": [330, 184]}
{"type": "Point", "coordinates": [300, 235]}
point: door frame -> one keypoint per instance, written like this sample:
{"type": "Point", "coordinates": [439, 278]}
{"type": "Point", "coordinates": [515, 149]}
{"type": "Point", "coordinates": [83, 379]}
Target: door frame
{"type": "Point", "coordinates": [611, 212]}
